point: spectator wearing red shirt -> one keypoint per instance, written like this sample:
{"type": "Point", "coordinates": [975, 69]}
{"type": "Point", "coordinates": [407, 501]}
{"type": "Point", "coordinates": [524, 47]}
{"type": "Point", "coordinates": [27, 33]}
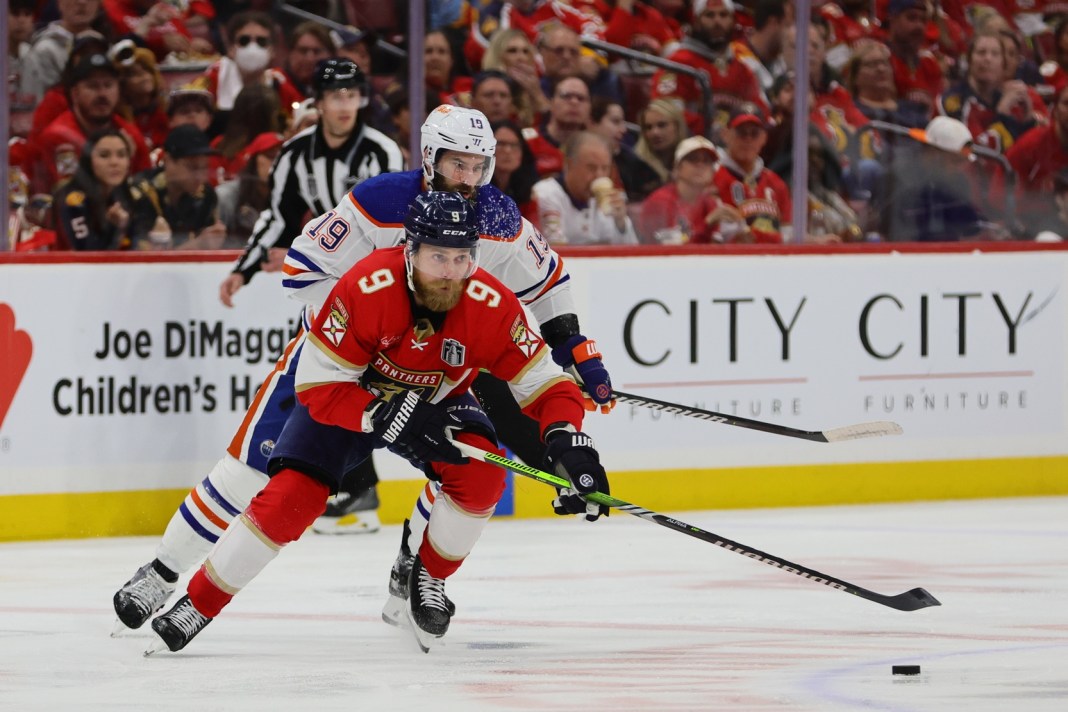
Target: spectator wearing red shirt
{"type": "Point", "coordinates": [687, 210]}
{"type": "Point", "coordinates": [707, 48]}
{"type": "Point", "coordinates": [158, 24]}
{"type": "Point", "coordinates": [917, 74]}
{"type": "Point", "coordinates": [55, 101]}
{"type": "Point", "coordinates": [94, 95]}
{"type": "Point", "coordinates": [1036, 158]}
{"type": "Point", "coordinates": [637, 25]}
{"type": "Point", "coordinates": [742, 181]}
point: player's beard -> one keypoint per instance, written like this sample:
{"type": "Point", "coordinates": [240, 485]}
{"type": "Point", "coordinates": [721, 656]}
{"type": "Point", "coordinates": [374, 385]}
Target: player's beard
{"type": "Point", "coordinates": [438, 295]}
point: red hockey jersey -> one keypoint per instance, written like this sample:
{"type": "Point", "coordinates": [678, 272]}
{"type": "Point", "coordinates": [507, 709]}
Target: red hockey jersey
{"type": "Point", "coordinates": [366, 342]}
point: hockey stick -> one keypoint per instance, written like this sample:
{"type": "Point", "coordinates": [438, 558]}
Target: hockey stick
{"type": "Point", "coordinates": [849, 432]}
{"type": "Point", "coordinates": [912, 600]}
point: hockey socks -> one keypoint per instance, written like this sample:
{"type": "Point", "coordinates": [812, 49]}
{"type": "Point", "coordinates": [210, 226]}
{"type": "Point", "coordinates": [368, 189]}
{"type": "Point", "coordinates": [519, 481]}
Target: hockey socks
{"type": "Point", "coordinates": [276, 516]}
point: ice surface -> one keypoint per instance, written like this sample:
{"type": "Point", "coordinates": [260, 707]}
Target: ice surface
{"type": "Point", "coordinates": [559, 614]}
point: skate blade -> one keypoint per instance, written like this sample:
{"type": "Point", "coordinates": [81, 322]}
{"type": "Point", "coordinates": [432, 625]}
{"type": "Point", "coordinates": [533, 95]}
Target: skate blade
{"type": "Point", "coordinates": [120, 628]}
{"type": "Point", "coordinates": [395, 612]}
{"type": "Point", "coordinates": [424, 640]}
{"type": "Point", "coordinates": [156, 647]}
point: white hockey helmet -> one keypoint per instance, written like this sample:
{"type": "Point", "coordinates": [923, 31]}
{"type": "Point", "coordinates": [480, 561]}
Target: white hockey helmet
{"type": "Point", "coordinates": [456, 128]}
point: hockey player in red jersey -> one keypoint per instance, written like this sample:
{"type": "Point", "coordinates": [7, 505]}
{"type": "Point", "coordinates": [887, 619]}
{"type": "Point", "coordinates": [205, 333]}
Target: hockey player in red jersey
{"type": "Point", "coordinates": [389, 362]}
{"type": "Point", "coordinates": [370, 217]}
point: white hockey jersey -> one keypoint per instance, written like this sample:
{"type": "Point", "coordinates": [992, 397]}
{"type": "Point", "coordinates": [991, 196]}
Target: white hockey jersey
{"type": "Point", "coordinates": [372, 216]}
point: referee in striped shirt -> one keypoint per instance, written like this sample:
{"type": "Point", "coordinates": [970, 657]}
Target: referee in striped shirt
{"type": "Point", "coordinates": [315, 170]}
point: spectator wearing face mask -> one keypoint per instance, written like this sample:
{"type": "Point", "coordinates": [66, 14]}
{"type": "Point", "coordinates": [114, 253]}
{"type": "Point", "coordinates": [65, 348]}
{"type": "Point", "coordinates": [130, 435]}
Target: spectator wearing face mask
{"type": "Point", "coordinates": [249, 55]}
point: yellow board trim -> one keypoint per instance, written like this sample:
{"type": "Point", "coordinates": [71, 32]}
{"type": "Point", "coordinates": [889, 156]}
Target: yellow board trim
{"type": "Point", "coordinates": [140, 513]}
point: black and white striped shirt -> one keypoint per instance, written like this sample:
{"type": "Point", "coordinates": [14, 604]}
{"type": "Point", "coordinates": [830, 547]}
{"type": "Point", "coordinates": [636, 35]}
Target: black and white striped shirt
{"type": "Point", "coordinates": [308, 177]}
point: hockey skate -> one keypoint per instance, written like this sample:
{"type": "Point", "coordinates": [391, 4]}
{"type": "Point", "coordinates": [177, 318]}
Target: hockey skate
{"type": "Point", "coordinates": [395, 611]}
{"type": "Point", "coordinates": [177, 627]}
{"type": "Point", "coordinates": [427, 609]}
{"type": "Point", "coordinates": [140, 597]}
{"type": "Point", "coordinates": [350, 514]}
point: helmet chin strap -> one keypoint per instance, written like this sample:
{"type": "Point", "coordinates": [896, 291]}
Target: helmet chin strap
{"type": "Point", "coordinates": [408, 267]}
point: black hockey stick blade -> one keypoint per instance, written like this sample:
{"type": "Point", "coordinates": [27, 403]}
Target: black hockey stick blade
{"type": "Point", "coordinates": [857, 431]}
{"type": "Point", "coordinates": [912, 600]}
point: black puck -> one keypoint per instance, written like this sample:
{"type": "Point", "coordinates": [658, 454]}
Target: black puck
{"type": "Point", "coordinates": [906, 669]}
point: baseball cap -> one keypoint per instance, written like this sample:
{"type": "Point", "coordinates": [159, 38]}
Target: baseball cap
{"type": "Point", "coordinates": [897, 7]}
{"type": "Point", "coordinates": [264, 142]}
{"type": "Point", "coordinates": [187, 140]}
{"type": "Point", "coordinates": [747, 114]}
{"type": "Point", "coordinates": [692, 144]}
{"type": "Point", "coordinates": [947, 134]}
{"type": "Point", "coordinates": [178, 97]}
{"type": "Point", "coordinates": [86, 66]}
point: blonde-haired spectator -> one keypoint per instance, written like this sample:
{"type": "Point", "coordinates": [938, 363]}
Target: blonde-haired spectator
{"type": "Point", "coordinates": [511, 51]}
{"type": "Point", "coordinates": [663, 126]}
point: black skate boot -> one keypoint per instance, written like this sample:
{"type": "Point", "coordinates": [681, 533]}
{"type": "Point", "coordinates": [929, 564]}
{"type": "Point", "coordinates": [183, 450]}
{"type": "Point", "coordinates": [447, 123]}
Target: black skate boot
{"type": "Point", "coordinates": [177, 626]}
{"type": "Point", "coordinates": [140, 597]}
{"type": "Point", "coordinates": [395, 610]}
{"type": "Point", "coordinates": [427, 608]}
{"type": "Point", "coordinates": [350, 514]}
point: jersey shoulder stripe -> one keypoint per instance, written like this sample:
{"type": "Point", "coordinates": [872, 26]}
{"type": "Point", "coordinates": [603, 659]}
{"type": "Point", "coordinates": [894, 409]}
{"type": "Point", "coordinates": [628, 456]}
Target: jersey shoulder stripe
{"type": "Point", "coordinates": [384, 199]}
{"type": "Point", "coordinates": [498, 215]}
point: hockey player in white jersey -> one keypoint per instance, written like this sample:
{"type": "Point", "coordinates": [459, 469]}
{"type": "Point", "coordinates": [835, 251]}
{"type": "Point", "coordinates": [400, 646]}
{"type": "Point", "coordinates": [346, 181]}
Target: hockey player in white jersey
{"type": "Point", "coordinates": [457, 154]}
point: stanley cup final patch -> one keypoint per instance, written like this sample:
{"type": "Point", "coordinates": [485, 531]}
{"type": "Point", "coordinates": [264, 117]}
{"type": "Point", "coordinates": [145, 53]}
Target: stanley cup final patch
{"type": "Point", "coordinates": [527, 342]}
{"type": "Point", "coordinates": [336, 323]}
{"type": "Point", "coordinates": [452, 352]}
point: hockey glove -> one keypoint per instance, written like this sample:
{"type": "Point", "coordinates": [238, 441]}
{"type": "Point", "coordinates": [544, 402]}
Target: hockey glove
{"type": "Point", "coordinates": [579, 357]}
{"type": "Point", "coordinates": [571, 455]}
{"type": "Point", "coordinates": [415, 429]}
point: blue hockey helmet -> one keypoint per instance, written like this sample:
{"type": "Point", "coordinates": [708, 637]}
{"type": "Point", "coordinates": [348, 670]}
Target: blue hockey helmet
{"type": "Point", "coordinates": [441, 219]}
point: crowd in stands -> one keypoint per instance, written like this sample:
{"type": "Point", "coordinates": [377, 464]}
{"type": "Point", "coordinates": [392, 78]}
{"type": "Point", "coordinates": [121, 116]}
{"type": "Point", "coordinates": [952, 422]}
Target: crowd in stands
{"type": "Point", "coordinates": [928, 120]}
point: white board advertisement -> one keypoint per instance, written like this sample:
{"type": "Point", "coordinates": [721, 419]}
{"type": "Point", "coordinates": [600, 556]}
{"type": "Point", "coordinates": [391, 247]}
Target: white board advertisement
{"type": "Point", "coordinates": [137, 376]}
